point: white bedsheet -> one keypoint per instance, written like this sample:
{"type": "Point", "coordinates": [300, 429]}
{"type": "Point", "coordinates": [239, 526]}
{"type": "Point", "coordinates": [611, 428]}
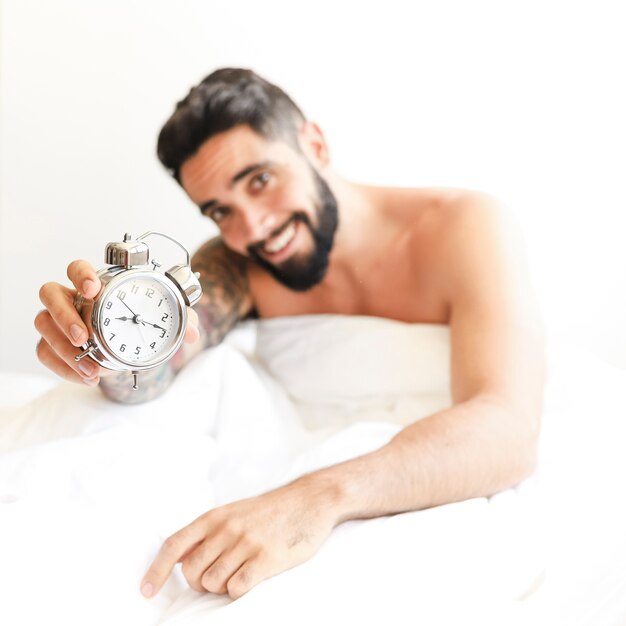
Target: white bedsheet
{"type": "Point", "coordinates": [89, 489]}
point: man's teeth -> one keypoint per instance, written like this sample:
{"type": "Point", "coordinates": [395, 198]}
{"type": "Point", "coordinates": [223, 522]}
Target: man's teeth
{"type": "Point", "coordinates": [276, 244]}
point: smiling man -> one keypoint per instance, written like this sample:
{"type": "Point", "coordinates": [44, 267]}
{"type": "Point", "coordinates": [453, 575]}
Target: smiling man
{"type": "Point", "coordinates": [296, 238]}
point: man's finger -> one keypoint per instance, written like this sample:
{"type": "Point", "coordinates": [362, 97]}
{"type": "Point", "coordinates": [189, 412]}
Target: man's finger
{"type": "Point", "coordinates": [52, 361]}
{"type": "Point", "coordinates": [62, 349]}
{"type": "Point", "coordinates": [192, 334]}
{"type": "Point", "coordinates": [84, 278]}
{"type": "Point", "coordinates": [196, 561]}
{"type": "Point", "coordinates": [218, 568]}
{"type": "Point", "coordinates": [59, 301]}
{"type": "Point", "coordinates": [172, 550]}
{"type": "Point", "coordinates": [250, 574]}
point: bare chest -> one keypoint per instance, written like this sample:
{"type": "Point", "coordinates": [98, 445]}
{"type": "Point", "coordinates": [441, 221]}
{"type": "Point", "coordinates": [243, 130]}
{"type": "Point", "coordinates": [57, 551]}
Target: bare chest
{"type": "Point", "coordinates": [395, 285]}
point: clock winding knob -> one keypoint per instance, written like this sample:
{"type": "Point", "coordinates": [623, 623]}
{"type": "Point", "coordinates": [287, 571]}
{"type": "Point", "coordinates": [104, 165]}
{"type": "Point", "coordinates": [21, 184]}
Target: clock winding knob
{"type": "Point", "coordinates": [127, 253]}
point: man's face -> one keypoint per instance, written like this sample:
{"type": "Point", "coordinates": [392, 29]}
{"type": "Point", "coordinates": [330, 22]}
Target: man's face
{"type": "Point", "coordinates": [268, 201]}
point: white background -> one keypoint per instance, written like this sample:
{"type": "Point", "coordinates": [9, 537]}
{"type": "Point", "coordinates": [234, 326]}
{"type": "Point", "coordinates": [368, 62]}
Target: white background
{"type": "Point", "coordinates": [524, 100]}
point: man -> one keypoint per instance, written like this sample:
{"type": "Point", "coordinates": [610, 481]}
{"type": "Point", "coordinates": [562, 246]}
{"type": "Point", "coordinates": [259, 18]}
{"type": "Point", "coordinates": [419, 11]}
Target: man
{"type": "Point", "coordinates": [296, 238]}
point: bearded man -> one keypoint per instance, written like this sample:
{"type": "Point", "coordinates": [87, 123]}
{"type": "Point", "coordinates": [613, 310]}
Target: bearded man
{"type": "Point", "coordinates": [296, 238]}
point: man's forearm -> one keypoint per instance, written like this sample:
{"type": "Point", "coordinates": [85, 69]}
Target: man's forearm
{"type": "Point", "coordinates": [150, 384]}
{"type": "Point", "coordinates": [476, 448]}
{"type": "Point", "coordinates": [153, 382]}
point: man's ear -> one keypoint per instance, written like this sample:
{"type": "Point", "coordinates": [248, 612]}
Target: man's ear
{"type": "Point", "coordinates": [313, 144]}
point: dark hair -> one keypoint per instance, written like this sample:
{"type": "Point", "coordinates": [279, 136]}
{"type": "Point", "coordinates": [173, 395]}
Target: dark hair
{"type": "Point", "coordinates": [226, 98]}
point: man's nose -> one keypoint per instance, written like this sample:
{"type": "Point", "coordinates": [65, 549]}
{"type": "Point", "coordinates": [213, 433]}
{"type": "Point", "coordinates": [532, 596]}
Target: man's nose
{"type": "Point", "coordinates": [259, 223]}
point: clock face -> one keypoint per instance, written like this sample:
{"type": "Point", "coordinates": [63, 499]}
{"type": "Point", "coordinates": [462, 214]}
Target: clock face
{"type": "Point", "coordinates": [139, 319]}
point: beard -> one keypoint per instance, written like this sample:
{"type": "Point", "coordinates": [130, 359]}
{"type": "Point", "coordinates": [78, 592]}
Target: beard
{"type": "Point", "coordinates": [301, 273]}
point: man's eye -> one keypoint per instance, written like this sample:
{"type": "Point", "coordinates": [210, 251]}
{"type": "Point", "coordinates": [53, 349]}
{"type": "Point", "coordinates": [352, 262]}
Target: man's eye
{"type": "Point", "coordinates": [260, 180]}
{"type": "Point", "coordinates": [218, 214]}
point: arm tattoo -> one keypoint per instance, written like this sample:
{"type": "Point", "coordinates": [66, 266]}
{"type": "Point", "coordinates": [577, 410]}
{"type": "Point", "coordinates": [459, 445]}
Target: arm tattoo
{"type": "Point", "coordinates": [226, 299]}
{"type": "Point", "coordinates": [225, 290]}
{"type": "Point", "coordinates": [151, 383]}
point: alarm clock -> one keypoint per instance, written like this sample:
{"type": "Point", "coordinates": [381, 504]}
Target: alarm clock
{"type": "Point", "coordinates": [138, 319]}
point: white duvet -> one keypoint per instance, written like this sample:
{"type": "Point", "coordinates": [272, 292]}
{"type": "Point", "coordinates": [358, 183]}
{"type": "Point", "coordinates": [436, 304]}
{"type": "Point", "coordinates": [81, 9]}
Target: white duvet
{"type": "Point", "coordinates": [89, 489]}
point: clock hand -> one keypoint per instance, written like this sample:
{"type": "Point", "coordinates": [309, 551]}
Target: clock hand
{"type": "Point", "coordinates": [140, 329]}
{"type": "Point", "coordinates": [136, 318]}
{"type": "Point", "coordinates": [133, 312]}
{"type": "Point", "coordinates": [124, 318]}
{"type": "Point", "coordinates": [155, 325]}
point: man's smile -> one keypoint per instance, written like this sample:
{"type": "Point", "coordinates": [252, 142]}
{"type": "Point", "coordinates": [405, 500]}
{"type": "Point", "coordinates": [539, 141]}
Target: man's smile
{"type": "Point", "coordinates": [277, 247]}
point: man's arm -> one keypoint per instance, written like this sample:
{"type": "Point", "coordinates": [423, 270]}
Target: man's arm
{"type": "Point", "coordinates": [487, 441]}
{"type": "Point", "coordinates": [225, 300]}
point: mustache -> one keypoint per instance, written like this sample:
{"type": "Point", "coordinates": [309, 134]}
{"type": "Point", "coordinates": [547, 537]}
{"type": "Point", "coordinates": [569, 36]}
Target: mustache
{"type": "Point", "coordinates": [298, 216]}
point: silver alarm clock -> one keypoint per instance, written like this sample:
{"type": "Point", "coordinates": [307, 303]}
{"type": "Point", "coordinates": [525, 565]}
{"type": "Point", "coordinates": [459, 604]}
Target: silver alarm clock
{"type": "Point", "coordinates": [138, 319]}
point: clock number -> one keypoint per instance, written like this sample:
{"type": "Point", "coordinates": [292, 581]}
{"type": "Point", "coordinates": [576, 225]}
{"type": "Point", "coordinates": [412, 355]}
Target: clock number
{"type": "Point", "coordinates": [108, 305]}
{"type": "Point", "coordinates": [107, 321]}
{"type": "Point", "coordinates": [163, 333]}
{"type": "Point", "coordinates": [121, 294]}
{"type": "Point", "coordinates": [164, 317]}
{"type": "Point", "coordinates": [149, 292]}
{"type": "Point", "coordinates": [111, 337]}
{"type": "Point", "coordinates": [123, 348]}
{"type": "Point", "coordinates": [137, 349]}
{"type": "Point", "coordinates": [153, 344]}
{"type": "Point", "coordinates": [135, 289]}
{"type": "Point", "coordinates": [161, 300]}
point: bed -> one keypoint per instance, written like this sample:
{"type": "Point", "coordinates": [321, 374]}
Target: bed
{"type": "Point", "coordinates": [89, 489]}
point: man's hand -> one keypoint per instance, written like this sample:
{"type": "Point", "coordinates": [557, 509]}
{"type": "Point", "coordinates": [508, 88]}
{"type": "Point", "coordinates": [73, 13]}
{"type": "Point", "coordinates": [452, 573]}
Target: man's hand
{"type": "Point", "coordinates": [63, 331]}
{"type": "Point", "coordinates": [232, 548]}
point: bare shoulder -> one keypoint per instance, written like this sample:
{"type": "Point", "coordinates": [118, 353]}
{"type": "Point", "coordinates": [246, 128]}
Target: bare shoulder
{"type": "Point", "coordinates": [469, 209]}
{"type": "Point", "coordinates": [220, 266]}
{"type": "Point", "coordinates": [454, 212]}
{"type": "Point", "coordinates": [473, 229]}
{"type": "Point", "coordinates": [481, 256]}
{"type": "Point", "coordinates": [438, 211]}
{"type": "Point", "coordinates": [446, 225]}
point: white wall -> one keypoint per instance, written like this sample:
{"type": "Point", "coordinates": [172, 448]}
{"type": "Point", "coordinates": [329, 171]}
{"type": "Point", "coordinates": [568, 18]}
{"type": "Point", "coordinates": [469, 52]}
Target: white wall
{"type": "Point", "coordinates": [524, 100]}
